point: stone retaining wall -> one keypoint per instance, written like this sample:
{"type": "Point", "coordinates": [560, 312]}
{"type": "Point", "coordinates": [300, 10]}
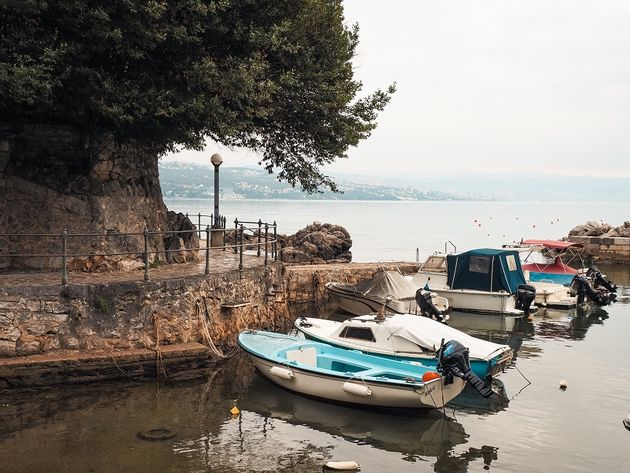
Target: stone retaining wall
{"type": "Point", "coordinates": [64, 334]}
{"type": "Point", "coordinates": [117, 316]}
{"type": "Point", "coordinates": [605, 249]}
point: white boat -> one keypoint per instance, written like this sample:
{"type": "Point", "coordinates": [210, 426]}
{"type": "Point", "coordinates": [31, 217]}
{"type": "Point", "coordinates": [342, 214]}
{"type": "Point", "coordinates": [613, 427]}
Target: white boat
{"type": "Point", "coordinates": [483, 281]}
{"type": "Point", "coordinates": [335, 374]}
{"type": "Point", "coordinates": [389, 291]}
{"type": "Point", "coordinates": [405, 336]}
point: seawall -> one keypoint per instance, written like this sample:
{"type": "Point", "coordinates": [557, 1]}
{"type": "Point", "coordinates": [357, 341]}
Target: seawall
{"type": "Point", "coordinates": [53, 333]}
{"type": "Point", "coordinates": [605, 249]}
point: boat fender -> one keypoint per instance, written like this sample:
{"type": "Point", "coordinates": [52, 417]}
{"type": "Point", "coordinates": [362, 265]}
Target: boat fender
{"type": "Point", "coordinates": [342, 466]}
{"type": "Point", "coordinates": [357, 389]}
{"type": "Point", "coordinates": [280, 372]}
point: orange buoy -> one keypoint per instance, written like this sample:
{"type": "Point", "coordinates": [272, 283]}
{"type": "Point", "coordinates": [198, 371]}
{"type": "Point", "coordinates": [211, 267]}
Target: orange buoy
{"type": "Point", "coordinates": [430, 376]}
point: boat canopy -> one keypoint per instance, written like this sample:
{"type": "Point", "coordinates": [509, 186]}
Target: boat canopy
{"type": "Point", "coordinates": [485, 269]}
{"type": "Point", "coordinates": [387, 284]}
{"type": "Point", "coordinates": [554, 244]}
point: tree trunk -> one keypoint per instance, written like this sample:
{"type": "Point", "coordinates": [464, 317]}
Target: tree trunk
{"type": "Point", "coordinates": [52, 177]}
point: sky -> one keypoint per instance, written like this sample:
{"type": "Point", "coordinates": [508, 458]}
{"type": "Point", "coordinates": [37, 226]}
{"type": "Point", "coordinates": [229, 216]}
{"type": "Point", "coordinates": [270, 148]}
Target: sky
{"type": "Point", "coordinates": [488, 86]}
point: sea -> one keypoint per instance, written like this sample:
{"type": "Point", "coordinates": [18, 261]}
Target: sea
{"type": "Point", "coordinates": [531, 426]}
{"type": "Point", "coordinates": [399, 230]}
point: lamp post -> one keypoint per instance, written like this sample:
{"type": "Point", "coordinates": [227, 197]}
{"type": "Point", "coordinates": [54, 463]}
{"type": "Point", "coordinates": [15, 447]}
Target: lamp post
{"type": "Point", "coordinates": [216, 238]}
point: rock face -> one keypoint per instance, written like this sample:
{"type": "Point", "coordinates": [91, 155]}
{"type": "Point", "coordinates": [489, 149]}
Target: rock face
{"type": "Point", "coordinates": [593, 228]}
{"type": "Point", "coordinates": [181, 245]}
{"type": "Point", "coordinates": [316, 243]}
{"type": "Point", "coordinates": [53, 177]}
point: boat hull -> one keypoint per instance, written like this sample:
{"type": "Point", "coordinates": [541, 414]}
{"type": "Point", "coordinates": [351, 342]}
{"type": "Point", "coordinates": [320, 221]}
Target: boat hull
{"type": "Point", "coordinates": [431, 395]}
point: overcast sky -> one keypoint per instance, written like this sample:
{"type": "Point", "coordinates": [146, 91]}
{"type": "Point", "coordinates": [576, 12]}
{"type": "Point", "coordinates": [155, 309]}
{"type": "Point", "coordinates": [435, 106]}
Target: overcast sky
{"type": "Point", "coordinates": [490, 86]}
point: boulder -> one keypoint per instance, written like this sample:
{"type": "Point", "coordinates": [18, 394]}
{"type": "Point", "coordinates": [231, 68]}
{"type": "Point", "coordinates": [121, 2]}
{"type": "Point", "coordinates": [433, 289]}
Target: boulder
{"type": "Point", "coordinates": [317, 242]}
{"type": "Point", "coordinates": [590, 228]}
{"type": "Point", "coordinates": [621, 231]}
{"type": "Point", "coordinates": [184, 237]}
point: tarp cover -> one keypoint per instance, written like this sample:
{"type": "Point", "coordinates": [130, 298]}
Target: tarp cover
{"type": "Point", "coordinates": [429, 334]}
{"type": "Point", "coordinates": [485, 269]}
{"type": "Point", "coordinates": [388, 284]}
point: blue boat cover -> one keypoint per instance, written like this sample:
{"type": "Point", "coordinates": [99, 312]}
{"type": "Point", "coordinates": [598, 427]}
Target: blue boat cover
{"type": "Point", "coordinates": [485, 269]}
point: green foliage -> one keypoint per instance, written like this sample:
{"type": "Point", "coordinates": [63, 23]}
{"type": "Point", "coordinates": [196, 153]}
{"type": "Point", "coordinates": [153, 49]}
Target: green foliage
{"type": "Point", "coordinates": [102, 304]}
{"type": "Point", "coordinates": [271, 75]}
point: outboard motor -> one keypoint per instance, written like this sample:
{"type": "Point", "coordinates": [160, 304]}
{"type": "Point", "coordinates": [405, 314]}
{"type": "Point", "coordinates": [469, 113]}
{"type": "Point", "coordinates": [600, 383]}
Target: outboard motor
{"type": "Point", "coordinates": [427, 308]}
{"type": "Point", "coordinates": [453, 361]}
{"type": "Point", "coordinates": [525, 295]}
{"type": "Point", "coordinates": [599, 279]}
{"type": "Point", "coordinates": [583, 289]}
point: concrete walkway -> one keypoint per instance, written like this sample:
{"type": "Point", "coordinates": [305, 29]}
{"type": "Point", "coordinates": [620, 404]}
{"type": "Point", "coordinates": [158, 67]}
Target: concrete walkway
{"type": "Point", "coordinates": [220, 262]}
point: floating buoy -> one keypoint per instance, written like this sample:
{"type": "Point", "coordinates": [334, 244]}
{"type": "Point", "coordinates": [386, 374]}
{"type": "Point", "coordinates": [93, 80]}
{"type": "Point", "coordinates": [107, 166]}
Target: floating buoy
{"type": "Point", "coordinates": [429, 376]}
{"type": "Point", "coordinates": [563, 384]}
{"type": "Point", "coordinates": [626, 422]}
{"type": "Point", "coordinates": [342, 466]}
{"type": "Point", "coordinates": [234, 411]}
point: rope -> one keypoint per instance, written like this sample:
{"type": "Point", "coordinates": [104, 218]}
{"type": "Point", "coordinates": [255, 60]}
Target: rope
{"type": "Point", "coordinates": [523, 388]}
{"type": "Point", "coordinates": [206, 332]}
{"type": "Point", "coordinates": [106, 349]}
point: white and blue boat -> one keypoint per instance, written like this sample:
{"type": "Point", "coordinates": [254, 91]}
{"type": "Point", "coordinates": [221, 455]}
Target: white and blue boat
{"type": "Point", "coordinates": [347, 376]}
{"type": "Point", "coordinates": [405, 337]}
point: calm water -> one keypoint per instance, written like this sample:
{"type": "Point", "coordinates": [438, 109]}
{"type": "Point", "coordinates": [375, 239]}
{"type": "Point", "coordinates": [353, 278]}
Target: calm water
{"type": "Point", "coordinates": [386, 231]}
{"type": "Point", "coordinates": [532, 427]}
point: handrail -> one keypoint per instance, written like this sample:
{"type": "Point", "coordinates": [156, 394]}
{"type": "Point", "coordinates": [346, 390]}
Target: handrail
{"type": "Point", "coordinates": [145, 252]}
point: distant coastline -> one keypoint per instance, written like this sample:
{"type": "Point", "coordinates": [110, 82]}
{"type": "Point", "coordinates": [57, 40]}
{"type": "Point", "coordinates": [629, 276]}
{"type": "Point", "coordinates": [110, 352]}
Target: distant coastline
{"type": "Point", "coordinates": [194, 181]}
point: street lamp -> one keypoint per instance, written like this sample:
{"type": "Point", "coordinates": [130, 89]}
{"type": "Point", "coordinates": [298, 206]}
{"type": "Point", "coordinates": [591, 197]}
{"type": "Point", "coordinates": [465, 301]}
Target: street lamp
{"type": "Point", "coordinates": [216, 161]}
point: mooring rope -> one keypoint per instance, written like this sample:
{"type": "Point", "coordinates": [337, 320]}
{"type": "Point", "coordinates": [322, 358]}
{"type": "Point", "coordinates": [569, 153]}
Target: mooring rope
{"type": "Point", "coordinates": [203, 317]}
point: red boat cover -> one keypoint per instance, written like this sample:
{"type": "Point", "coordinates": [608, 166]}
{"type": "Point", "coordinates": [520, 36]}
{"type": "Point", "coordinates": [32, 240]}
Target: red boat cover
{"type": "Point", "coordinates": [557, 267]}
{"type": "Point", "coordinates": [554, 244]}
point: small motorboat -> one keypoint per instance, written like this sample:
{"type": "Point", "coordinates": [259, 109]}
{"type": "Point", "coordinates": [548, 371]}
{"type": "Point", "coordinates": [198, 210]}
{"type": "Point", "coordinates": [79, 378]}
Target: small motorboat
{"type": "Point", "coordinates": [405, 336]}
{"type": "Point", "coordinates": [545, 269]}
{"type": "Point", "coordinates": [389, 291]}
{"type": "Point", "coordinates": [486, 280]}
{"type": "Point", "coordinates": [348, 376]}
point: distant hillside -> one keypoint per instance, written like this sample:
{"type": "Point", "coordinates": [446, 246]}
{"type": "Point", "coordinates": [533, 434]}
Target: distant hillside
{"type": "Point", "coordinates": [186, 180]}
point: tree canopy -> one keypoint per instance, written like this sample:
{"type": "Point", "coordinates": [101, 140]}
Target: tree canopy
{"type": "Point", "coordinates": [271, 75]}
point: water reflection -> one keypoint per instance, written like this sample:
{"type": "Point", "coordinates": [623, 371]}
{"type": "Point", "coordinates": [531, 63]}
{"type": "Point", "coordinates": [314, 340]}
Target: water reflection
{"type": "Point", "coordinates": [414, 434]}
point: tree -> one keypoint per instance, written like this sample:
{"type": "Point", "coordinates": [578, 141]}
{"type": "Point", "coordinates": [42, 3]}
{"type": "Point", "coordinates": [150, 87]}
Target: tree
{"type": "Point", "coordinates": [270, 75]}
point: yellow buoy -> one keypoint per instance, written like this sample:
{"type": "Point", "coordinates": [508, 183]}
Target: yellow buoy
{"type": "Point", "coordinates": [235, 411]}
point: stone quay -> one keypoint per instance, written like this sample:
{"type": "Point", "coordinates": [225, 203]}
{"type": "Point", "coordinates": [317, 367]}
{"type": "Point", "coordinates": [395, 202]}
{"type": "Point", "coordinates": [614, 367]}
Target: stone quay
{"type": "Point", "coordinates": [116, 325]}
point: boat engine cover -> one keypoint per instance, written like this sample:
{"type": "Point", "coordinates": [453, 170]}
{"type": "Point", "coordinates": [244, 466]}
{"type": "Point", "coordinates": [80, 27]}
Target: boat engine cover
{"type": "Point", "coordinates": [453, 360]}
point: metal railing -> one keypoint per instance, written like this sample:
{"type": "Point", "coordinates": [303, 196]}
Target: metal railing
{"type": "Point", "coordinates": [245, 238]}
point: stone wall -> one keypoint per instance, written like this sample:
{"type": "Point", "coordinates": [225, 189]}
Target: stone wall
{"type": "Point", "coordinates": [210, 309]}
{"type": "Point", "coordinates": [117, 316]}
{"type": "Point", "coordinates": [605, 249]}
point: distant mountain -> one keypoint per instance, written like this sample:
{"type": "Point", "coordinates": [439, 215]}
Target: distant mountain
{"type": "Point", "coordinates": [187, 180]}
{"type": "Point", "coordinates": [196, 181]}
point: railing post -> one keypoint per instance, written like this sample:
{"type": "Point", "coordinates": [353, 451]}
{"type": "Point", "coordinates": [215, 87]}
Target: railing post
{"type": "Point", "coordinates": [259, 228]}
{"type": "Point", "coordinates": [266, 243]}
{"type": "Point", "coordinates": [235, 235]}
{"type": "Point", "coordinates": [417, 255]}
{"type": "Point", "coordinates": [199, 226]}
{"type": "Point", "coordinates": [146, 254]}
{"type": "Point", "coordinates": [64, 258]}
{"type": "Point", "coordinates": [275, 241]}
{"type": "Point", "coordinates": [240, 263]}
{"type": "Point", "coordinates": [224, 233]}
{"type": "Point", "coordinates": [207, 271]}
